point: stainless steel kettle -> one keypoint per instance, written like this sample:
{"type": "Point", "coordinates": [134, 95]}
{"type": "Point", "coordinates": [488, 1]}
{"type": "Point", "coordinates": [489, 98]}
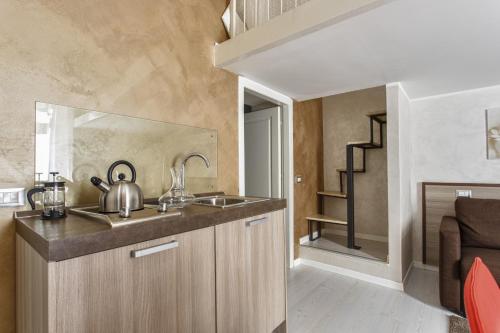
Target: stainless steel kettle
{"type": "Point", "coordinates": [120, 194]}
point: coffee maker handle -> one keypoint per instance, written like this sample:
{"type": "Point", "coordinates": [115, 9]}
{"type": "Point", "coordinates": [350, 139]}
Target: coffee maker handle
{"type": "Point", "coordinates": [31, 193]}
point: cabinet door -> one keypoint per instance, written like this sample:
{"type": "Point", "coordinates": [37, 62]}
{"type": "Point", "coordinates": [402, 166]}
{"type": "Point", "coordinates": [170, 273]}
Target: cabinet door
{"type": "Point", "coordinates": [164, 285]}
{"type": "Point", "coordinates": [250, 273]}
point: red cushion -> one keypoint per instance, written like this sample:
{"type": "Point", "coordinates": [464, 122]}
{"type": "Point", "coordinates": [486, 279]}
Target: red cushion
{"type": "Point", "coordinates": [482, 299]}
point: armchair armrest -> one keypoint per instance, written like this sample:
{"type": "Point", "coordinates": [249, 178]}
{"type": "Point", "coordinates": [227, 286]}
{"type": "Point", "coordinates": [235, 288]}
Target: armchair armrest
{"type": "Point", "coordinates": [450, 255]}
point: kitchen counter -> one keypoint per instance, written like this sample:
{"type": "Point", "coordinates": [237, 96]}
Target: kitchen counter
{"type": "Point", "coordinates": [76, 236]}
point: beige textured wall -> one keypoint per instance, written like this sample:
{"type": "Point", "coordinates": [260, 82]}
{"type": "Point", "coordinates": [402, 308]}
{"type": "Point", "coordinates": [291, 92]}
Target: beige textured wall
{"type": "Point", "coordinates": [344, 120]}
{"type": "Point", "coordinates": [151, 59]}
{"type": "Point", "coordinates": [308, 162]}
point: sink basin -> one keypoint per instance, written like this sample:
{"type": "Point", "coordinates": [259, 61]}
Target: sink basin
{"type": "Point", "coordinates": [222, 201]}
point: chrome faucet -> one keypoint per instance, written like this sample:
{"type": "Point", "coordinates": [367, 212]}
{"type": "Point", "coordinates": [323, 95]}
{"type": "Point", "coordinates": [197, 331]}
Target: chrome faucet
{"type": "Point", "coordinates": [183, 167]}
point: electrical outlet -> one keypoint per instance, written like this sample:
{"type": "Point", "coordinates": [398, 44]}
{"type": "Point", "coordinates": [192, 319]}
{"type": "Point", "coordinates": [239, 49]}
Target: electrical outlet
{"type": "Point", "coordinates": [11, 197]}
{"type": "Point", "coordinates": [463, 193]}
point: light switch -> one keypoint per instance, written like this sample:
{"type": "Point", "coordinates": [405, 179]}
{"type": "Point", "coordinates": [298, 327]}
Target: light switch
{"type": "Point", "coordinates": [298, 179]}
{"type": "Point", "coordinates": [11, 197]}
{"type": "Point", "coordinates": [463, 193]}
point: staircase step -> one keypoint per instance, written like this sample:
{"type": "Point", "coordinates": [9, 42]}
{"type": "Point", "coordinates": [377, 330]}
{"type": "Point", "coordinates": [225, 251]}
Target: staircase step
{"type": "Point", "coordinates": [363, 144]}
{"type": "Point", "coordinates": [335, 194]}
{"type": "Point", "coordinates": [355, 170]}
{"type": "Point", "coordinates": [380, 116]}
{"type": "Point", "coordinates": [358, 143]}
{"type": "Point", "coordinates": [325, 219]}
{"type": "Point", "coordinates": [377, 114]}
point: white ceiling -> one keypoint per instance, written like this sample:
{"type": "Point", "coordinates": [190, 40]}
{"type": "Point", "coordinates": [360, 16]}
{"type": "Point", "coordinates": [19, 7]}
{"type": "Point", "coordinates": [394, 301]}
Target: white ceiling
{"type": "Point", "coordinates": [430, 46]}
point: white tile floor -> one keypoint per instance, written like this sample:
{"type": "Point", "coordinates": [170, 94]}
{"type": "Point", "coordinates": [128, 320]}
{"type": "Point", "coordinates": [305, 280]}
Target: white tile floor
{"type": "Point", "coordinates": [321, 301]}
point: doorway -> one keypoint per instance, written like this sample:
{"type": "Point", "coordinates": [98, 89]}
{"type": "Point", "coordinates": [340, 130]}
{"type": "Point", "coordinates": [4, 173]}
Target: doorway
{"type": "Point", "coordinates": [263, 160]}
{"type": "Point", "coordinates": [352, 211]}
{"type": "Point", "coordinates": [265, 138]}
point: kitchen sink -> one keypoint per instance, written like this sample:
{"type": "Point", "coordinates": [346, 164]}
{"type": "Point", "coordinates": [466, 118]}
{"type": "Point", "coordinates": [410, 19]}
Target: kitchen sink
{"type": "Point", "coordinates": [223, 201]}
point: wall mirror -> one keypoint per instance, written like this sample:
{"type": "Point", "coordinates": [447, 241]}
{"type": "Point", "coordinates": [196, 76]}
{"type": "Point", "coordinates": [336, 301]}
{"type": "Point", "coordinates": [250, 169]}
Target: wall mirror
{"type": "Point", "coordinates": [80, 144]}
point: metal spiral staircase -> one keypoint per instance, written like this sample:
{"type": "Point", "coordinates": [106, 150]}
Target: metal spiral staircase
{"type": "Point", "coordinates": [346, 192]}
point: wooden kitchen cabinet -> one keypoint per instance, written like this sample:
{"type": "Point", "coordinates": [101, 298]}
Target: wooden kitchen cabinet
{"type": "Point", "coordinates": [172, 290]}
{"type": "Point", "coordinates": [250, 274]}
{"type": "Point", "coordinates": [227, 278]}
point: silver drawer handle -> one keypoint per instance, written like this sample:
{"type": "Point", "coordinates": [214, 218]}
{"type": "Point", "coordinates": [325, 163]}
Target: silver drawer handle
{"type": "Point", "coordinates": [154, 249]}
{"type": "Point", "coordinates": [256, 222]}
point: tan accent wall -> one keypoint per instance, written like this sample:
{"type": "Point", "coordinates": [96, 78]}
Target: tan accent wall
{"type": "Point", "coordinates": [344, 120]}
{"type": "Point", "coordinates": [308, 162]}
{"type": "Point", "coordinates": [150, 59]}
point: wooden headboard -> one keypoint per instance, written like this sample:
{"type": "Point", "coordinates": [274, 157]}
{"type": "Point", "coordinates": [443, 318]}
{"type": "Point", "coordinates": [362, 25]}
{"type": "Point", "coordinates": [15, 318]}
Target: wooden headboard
{"type": "Point", "coordinates": [438, 200]}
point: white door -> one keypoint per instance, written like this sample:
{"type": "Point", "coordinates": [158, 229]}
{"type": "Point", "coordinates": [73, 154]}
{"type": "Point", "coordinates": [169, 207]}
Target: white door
{"type": "Point", "coordinates": [263, 153]}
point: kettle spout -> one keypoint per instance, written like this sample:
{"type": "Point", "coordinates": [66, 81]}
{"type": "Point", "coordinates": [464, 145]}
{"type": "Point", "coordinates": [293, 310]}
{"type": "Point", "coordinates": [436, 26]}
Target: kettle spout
{"type": "Point", "coordinates": [100, 184]}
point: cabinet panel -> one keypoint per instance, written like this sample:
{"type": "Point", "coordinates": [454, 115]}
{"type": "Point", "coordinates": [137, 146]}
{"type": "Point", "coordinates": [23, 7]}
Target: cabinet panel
{"type": "Point", "coordinates": [33, 304]}
{"type": "Point", "coordinates": [171, 290]}
{"type": "Point", "coordinates": [250, 271]}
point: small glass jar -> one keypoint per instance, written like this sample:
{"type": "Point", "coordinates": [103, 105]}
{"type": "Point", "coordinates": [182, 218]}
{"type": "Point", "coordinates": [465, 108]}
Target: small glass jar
{"type": "Point", "coordinates": [176, 198]}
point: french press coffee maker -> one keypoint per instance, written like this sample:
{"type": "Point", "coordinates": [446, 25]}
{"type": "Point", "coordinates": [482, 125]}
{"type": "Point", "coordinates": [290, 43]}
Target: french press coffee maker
{"type": "Point", "coordinates": [53, 201]}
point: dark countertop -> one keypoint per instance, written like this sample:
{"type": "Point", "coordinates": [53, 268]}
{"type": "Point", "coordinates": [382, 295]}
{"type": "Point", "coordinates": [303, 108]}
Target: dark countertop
{"type": "Point", "coordinates": [76, 236]}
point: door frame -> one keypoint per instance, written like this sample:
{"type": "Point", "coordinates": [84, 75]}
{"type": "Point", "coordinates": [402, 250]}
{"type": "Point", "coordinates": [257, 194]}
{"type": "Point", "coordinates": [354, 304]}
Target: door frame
{"type": "Point", "coordinates": [286, 104]}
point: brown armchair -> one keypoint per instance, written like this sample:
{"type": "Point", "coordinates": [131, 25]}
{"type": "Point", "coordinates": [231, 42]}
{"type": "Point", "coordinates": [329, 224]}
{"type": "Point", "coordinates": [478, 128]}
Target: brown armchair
{"type": "Point", "coordinates": [474, 232]}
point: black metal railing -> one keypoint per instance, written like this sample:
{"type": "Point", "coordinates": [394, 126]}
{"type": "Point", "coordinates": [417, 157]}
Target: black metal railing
{"type": "Point", "coordinates": [380, 119]}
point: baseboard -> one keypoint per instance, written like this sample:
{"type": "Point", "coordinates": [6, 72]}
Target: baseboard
{"type": "Point", "coordinates": [305, 238]}
{"type": "Point", "coordinates": [419, 264]}
{"type": "Point", "coordinates": [350, 273]}
{"type": "Point", "coordinates": [376, 238]}
{"type": "Point", "coordinates": [360, 235]}
{"type": "Point", "coordinates": [408, 271]}
{"type": "Point", "coordinates": [297, 262]}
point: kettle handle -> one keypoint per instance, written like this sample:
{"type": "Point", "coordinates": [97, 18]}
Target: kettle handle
{"type": "Point", "coordinates": [31, 193]}
{"type": "Point", "coordinates": [117, 163]}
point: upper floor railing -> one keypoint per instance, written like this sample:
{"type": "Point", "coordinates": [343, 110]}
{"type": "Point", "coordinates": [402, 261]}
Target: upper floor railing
{"type": "Point", "coordinates": [243, 15]}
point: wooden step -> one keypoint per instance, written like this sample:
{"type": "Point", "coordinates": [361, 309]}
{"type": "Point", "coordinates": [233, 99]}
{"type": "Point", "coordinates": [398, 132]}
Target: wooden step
{"type": "Point", "coordinates": [363, 144]}
{"type": "Point", "coordinates": [325, 219]}
{"type": "Point", "coordinates": [377, 113]}
{"type": "Point", "coordinates": [358, 143]}
{"type": "Point", "coordinates": [355, 170]}
{"type": "Point", "coordinates": [380, 116]}
{"type": "Point", "coordinates": [335, 194]}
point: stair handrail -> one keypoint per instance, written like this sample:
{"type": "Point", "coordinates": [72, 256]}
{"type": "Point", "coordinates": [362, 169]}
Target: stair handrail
{"type": "Point", "coordinates": [240, 12]}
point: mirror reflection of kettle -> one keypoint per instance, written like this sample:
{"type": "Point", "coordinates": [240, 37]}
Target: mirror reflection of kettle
{"type": "Point", "coordinates": [119, 195]}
